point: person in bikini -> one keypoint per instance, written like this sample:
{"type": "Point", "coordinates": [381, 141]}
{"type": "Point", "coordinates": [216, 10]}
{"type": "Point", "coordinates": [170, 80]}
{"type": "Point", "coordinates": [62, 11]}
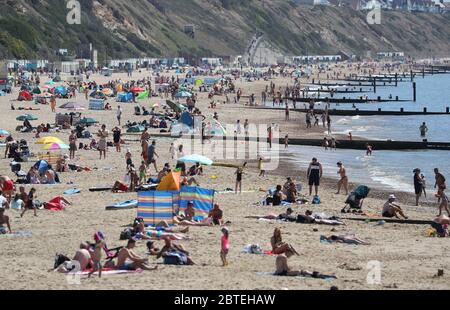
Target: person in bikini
{"type": "Point", "coordinates": [278, 246]}
{"type": "Point", "coordinates": [344, 179]}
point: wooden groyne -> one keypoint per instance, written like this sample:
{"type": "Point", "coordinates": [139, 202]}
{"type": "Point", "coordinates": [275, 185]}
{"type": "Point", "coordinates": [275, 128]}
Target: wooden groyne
{"type": "Point", "coordinates": [346, 100]}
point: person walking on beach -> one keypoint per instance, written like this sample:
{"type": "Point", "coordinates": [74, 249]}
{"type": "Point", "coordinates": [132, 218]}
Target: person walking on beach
{"type": "Point", "coordinates": [423, 129]}
{"type": "Point", "coordinates": [424, 186]}
{"type": "Point", "coordinates": [344, 179]}
{"type": "Point", "coordinates": [418, 186]}
{"type": "Point", "coordinates": [225, 246]}
{"type": "Point", "coordinates": [262, 171]}
{"type": "Point", "coordinates": [440, 183]}
{"type": "Point", "coordinates": [315, 172]}
{"type": "Point", "coordinates": [151, 153]}
{"type": "Point", "coordinates": [117, 135]}
{"type": "Point", "coordinates": [286, 142]}
{"type": "Point", "coordinates": [444, 203]}
{"type": "Point", "coordinates": [286, 112]}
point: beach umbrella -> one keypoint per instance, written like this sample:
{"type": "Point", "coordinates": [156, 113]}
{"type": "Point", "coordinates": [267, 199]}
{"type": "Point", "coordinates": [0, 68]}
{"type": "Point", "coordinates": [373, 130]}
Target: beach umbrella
{"type": "Point", "coordinates": [49, 140]}
{"type": "Point", "coordinates": [42, 166]}
{"type": "Point", "coordinates": [50, 83]}
{"type": "Point", "coordinates": [55, 147]}
{"type": "Point", "coordinates": [87, 121]}
{"type": "Point", "coordinates": [4, 132]}
{"type": "Point", "coordinates": [26, 117]}
{"type": "Point", "coordinates": [61, 90]}
{"type": "Point", "coordinates": [47, 87]}
{"type": "Point", "coordinates": [195, 158]}
{"type": "Point", "coordinates": [183, 94]}
{"type": "Point", "coordinates": [137, 89]}
{"type": "Point", "coordinates": [156, 105]}
{"type": "Point", "coordinates": [71, 106]}
{"type": "Point", "coordinates": [107, 91]}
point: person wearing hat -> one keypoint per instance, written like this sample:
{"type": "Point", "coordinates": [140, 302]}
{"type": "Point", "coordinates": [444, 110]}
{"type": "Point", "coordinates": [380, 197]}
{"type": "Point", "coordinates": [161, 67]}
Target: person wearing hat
{"type": "Point", "coordinates": [344, 179]}
{"type": "Point", "coordinates": [391, 209]}
{"type": "Point", "coordinates": [418, 185]}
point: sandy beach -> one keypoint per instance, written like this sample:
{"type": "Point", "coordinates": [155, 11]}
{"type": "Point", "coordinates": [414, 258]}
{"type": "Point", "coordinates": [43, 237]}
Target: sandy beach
{"type": "Point", "coordinates": [409, 259]}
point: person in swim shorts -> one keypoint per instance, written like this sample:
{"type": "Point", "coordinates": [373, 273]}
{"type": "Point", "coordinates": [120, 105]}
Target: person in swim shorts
{"type": "Point", "coordinates": [126, 255]}
{"type": "Point", "coordinates": [315, 172]}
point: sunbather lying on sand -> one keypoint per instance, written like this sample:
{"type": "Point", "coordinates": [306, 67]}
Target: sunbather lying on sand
{"type": "Point", "coordinates": [307, 218]}
{"type": "Point", "coordinates": [283, 269]}
{"type": "Point", "coordinates": [349, 239]}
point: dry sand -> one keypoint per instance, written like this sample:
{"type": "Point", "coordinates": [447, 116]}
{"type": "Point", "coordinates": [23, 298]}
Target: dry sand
{"type": "Point", "coordinates": [408, 258]}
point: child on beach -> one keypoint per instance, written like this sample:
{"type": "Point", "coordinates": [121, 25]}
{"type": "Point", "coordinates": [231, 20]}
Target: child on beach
{"type": "Point", "coordinates": [286, 141]}
{"type": "Point", "coordinates": [172, 151]}
{"type": "Point", "coordinates": [225, 246]}
{"type": "Point", "coordinates": [262, 171]}
{"type": "Point", "coordinates": [444, 203]}
{"type": "Point", "coordinates": [142, 173]}
{"type": "Point", "coordinates": [128, 159]}
{"type": "Point", "coordinates": [97, 258]}
{"type": "Point", "coordinates": [424, 186]}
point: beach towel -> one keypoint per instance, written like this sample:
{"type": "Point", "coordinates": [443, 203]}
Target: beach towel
{"type": "Point", "coordinates": [256, 249]}
{"type": "Point", "coordinates": [56, 204]}
{"type": "Point", "coordinates": [17, 234]}
{"type": "Point", "coordinates": [322, 277]}
{"type": "Point", "coordinates": [107, 272]}
{"type": "Point", "coordinates": [157, 206]}
{"type": "Point", "coordinates": [72, 191]}
{"type": "Point", "coordinates": [202, 198]}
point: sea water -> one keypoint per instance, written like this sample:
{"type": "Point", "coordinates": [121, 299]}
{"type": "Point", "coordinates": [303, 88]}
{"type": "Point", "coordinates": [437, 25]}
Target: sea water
{"type": "Point", "coordinates": [389, 170]}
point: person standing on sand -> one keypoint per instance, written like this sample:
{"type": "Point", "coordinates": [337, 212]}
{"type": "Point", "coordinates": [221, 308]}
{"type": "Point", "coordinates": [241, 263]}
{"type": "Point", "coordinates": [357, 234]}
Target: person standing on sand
{"type": "Point", "coordinates": [440, 183]}
{"type": "Point", "coordinates": [117, 134]}
{"type": "Point", "coordinates": [225, 246]}
{"type": "Point", "coordinates": [344, 179]}
{"type": "Point", "coordinates": [418, 186]}
{"type": "Point", "coordinates": [53, 104]}
{"type": "Point", "coordinates": [239, 172]}
{"type": "Point", "coordinates": [315, 172]}
{"type": "Point", "coordinates": [119, 114]}
{"type": "Point", "coordinates": [72, 144]}
{"type": "Point", "coordinates": [286, 142]}
{"type": "Point", "coordinates": [102, 145]}
{"type": "Point", "coordinates": [286, 112]}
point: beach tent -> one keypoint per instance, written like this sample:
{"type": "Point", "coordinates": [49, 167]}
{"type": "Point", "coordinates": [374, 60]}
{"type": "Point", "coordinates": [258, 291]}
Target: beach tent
{"type": "Point", "coordinates": [125, 97]}
{"type": "Point", "coordinates": [61, 90]}
{"type": "Point", "coordinates": [143, 95]}
{"type": "Point", "coordinates": [187, 119]}
{"type": "Point", "coordinates": [198, 82]}
{"type": "Point", "coordinates": [36, 91]}
{"type": "Point", "coordinates": [202, 198]}
{"type": "Point", "coordinates": [97, 94]}
{"type": "Point", "coordinates": [174, 106]}
{"type": "Point", "coordinates": [42, 166]}
{"type": "Point", "coordinates": [24, 95]}
{"type": "Point", "coordinates": [137, 128]}
{"type": "Point", "coordinates": [157, 206]}
{"type": "Point", "coordinates": [96, 104]}
{"type": "Point", "coordinates": [170, 182]}
{"type": "Point", "coordinates": [183, 94]}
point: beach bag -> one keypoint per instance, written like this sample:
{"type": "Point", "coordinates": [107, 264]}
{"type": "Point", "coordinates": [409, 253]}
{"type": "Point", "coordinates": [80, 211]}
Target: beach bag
{"type": "Point", "coordinates": [316, 200]}
{"type": "Point", "coordinates": [126, 234]}
{"type": "Point", "coordinates": [60, 259]}
{"type": "Point", "coordinates": [175, 258]}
